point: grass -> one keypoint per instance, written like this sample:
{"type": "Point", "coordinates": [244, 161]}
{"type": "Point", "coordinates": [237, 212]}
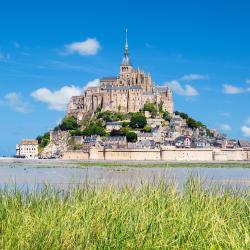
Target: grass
{"type": "Point", "coordinates": [163, 164]}
{"type": "Point", "coordinates": [147, 217]}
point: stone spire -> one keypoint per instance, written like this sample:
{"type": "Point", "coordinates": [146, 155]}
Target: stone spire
{"type": "Point", "coordinates": [125, 60]}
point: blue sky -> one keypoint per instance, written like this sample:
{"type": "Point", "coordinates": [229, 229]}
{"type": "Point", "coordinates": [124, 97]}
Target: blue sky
{"type": "Point", "coordinates": [50, 50]}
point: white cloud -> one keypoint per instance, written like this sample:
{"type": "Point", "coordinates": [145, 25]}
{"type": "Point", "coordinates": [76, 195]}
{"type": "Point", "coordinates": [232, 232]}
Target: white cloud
{"type": "Point", "coordinates": [225, 127]}
{"type": "Point", "coordinates": [248, 81]}
{"type": "Point", "coordinates": [16, 103]}
{"type": "Point", "coordinates": [193, 77]}
{"type": "Point", "coordinates": [93, 83]}
{"type": "Point", "coordinates": [58, 99]}
{"type": "Point", "coordinates": [86, 48]}
{"type": "Point", "coordinates": [246, 131]}
{"type": "Point", "coordinates": [187, 90]}
{"type": "Point", "coordinates": [230, 89]}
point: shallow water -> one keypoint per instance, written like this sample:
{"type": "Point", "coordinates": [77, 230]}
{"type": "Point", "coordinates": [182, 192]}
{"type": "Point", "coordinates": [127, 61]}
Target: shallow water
{"type": "Point", "coordinates": [29, 175]}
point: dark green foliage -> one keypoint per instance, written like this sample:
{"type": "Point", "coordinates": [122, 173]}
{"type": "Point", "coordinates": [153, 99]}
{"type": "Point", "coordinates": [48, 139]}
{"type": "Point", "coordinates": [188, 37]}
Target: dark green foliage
{"type": "Point", "coordinates": [160, 107]}
{"type": "Point", "coordinates": [115, 132]}
{"type": "Point", "coordinates": [69, 123]}
{"type": "Point", "coordinates": [192, 123]}
{"type": "Point", "coordinates": [131, 136]}
{"type": "Point", "coordinates": [109, 116]}
{"type": "Point", "coordinates": [166, 116]}
{"type": "Point", "coordinates": [125, 124]}
{"type": "Point", "coordinates": [147, 129]}
{"type": "Point", "coordinates": [94, 128]}
{"type": "Point", "coordinates": [150, 107]}
{"type": "Point", "coordinates": [43, 140]}
{"type": "Point", "coordinates": [138, 120]}
{"type": "Point", "coordinates": [76, 132]}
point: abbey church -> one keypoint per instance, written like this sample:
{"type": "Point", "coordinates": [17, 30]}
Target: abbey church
{"type": "Point", "coordinates": [127, 92]}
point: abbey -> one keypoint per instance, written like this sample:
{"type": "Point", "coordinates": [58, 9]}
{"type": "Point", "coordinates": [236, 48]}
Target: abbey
{"type": "Point", "coordinates": [125, 93]}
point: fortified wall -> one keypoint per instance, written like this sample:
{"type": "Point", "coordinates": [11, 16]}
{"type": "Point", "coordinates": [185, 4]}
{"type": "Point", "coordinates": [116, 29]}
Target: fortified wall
{"type": "Point", "coordinates": [179, 155]}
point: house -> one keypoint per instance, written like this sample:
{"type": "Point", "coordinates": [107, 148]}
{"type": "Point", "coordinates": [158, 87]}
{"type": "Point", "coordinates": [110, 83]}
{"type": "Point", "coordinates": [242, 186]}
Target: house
{"type": "Point", "coordinates": [143, 144]}
{"type": "Point", "coordinates": [142, 136]}
{"type": "Point", "coordinates": [113, 126]}
{"type": "Point", "coordinates": [115, 142]}
{"type": "Point", "coordinates": [230, 144]}
{"type": "Point", "coordinates": [200, 143]}
{"type": "Point", "coordinates": [28, 148]}
{"type": "Point", "coordinates": [91, 141]}
{"type": "Point", "coordinates": [183, 142]}
{"type": "Point", "coordinates": [244, 144]}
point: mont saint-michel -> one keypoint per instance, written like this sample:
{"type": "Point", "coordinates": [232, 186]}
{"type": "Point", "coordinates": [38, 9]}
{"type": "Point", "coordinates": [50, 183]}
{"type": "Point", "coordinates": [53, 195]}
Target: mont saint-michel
{"type": "Point", "coordinates": [130, 117]}
{"type": "Point", "coordinates": [127, 92]}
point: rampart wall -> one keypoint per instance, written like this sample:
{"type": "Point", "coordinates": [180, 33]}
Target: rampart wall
{"type": "Point", "coordinates": [173, 154]}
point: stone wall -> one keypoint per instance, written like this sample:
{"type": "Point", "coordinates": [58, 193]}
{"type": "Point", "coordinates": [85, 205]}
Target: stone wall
{"type": "Point", "coordinates": [187, 154]}
{"type": "Point", "coordinates": [173, 154]}
{"type": "Point", "coordinates": [76, 155]}
{"type": "Point", "coordinates": [231, 155]}
{"type": "Point", "coordinates": [132, 154]}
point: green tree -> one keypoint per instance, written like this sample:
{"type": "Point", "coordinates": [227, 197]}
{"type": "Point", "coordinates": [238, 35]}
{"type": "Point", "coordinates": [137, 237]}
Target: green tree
{"type": "Point", "coordinates": [131, 136]}
{"type": "Point", "coordinates": [125, 124]}
{"type": "Point", "coordinates": [138, 120]}
{"type": "Point", "coordinates": [69, 123]}
{"type": "Point", "coordinates": [166, 116]}
{"type": "Point", "coordinates": [94, 128]}
{"type": "Point", "coordinates": [43, 140]}
{"type": "Point", "coordinates": [147, 129]}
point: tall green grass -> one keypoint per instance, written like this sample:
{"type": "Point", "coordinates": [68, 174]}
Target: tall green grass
{"type": "Point", "coordinates": [147, 217]}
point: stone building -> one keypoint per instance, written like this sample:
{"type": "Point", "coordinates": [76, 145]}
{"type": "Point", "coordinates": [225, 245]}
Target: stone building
{"type": "Point", "coordinates": [127, 92]}
{"type": "Point", "coordinates": [28, 148]}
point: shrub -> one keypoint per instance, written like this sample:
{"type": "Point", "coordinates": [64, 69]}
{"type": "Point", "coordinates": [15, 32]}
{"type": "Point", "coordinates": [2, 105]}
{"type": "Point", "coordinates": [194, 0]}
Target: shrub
{"type": "Point", "coordinates": [69, 123]}
{"type": "Point", "coordinates": [94, 128]}
{"type": "Point", "coordinates": [131, 136]}
{"type": "Point", "coordinates": [166, 116]}
{"type": "Point", "coordinates": [43, 140]}
{"type": "Point", "coordinates": [147, 129]}
{"type": "Point", "coordinates": [138, 120]}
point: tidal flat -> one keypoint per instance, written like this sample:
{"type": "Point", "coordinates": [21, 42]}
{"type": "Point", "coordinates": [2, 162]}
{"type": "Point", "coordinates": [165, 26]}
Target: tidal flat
{"type": "Point", "coordinates": [66, 174]}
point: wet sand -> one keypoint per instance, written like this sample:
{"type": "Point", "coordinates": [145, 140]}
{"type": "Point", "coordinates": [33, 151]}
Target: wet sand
{"type": "Point", "coordinates": [65, 174]}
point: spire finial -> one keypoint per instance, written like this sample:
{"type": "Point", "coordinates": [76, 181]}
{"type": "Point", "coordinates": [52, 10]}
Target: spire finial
{"type": "Point", "coordinates": [126, 38]}
{"type": "Point", "coordinates": [125, 60]}
{"type": "Point", "coordinates": [126, 42]}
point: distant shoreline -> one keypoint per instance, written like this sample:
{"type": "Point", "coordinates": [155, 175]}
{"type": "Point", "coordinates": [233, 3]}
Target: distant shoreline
{"type": "Point", "coordinates": [55, 163]}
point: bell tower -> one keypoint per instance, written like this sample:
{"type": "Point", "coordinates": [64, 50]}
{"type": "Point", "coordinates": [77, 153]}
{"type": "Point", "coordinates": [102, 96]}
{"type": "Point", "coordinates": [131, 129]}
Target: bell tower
{"type": "Point", "coordinates": [125, 67]}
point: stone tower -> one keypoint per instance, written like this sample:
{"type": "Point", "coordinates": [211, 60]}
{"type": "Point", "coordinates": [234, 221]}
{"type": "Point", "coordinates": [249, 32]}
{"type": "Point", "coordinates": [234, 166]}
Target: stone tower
{"type": "Point", "coordinates": [125, 67]}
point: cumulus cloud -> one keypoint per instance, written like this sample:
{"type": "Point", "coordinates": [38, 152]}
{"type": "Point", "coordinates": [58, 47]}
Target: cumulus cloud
{"type": "Point", "coordinates": [86, 48]}
{"type": "Point", "coordinates": [194, 77]}
{"type": "Point", "coordinates": [16, 102]}
{"type": "Point", "coordinates": [246, 131]}
{"type": "Point", "coordinates": [186, 90]}
{"type": "Point", "coordinates": [225, 127]}
{"type": "Point", "coordinates": [58, 99]}
{"type": "Point", "coordinates": [230, 89]}
{"type": "Point", "coordinates": [93, 83]}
